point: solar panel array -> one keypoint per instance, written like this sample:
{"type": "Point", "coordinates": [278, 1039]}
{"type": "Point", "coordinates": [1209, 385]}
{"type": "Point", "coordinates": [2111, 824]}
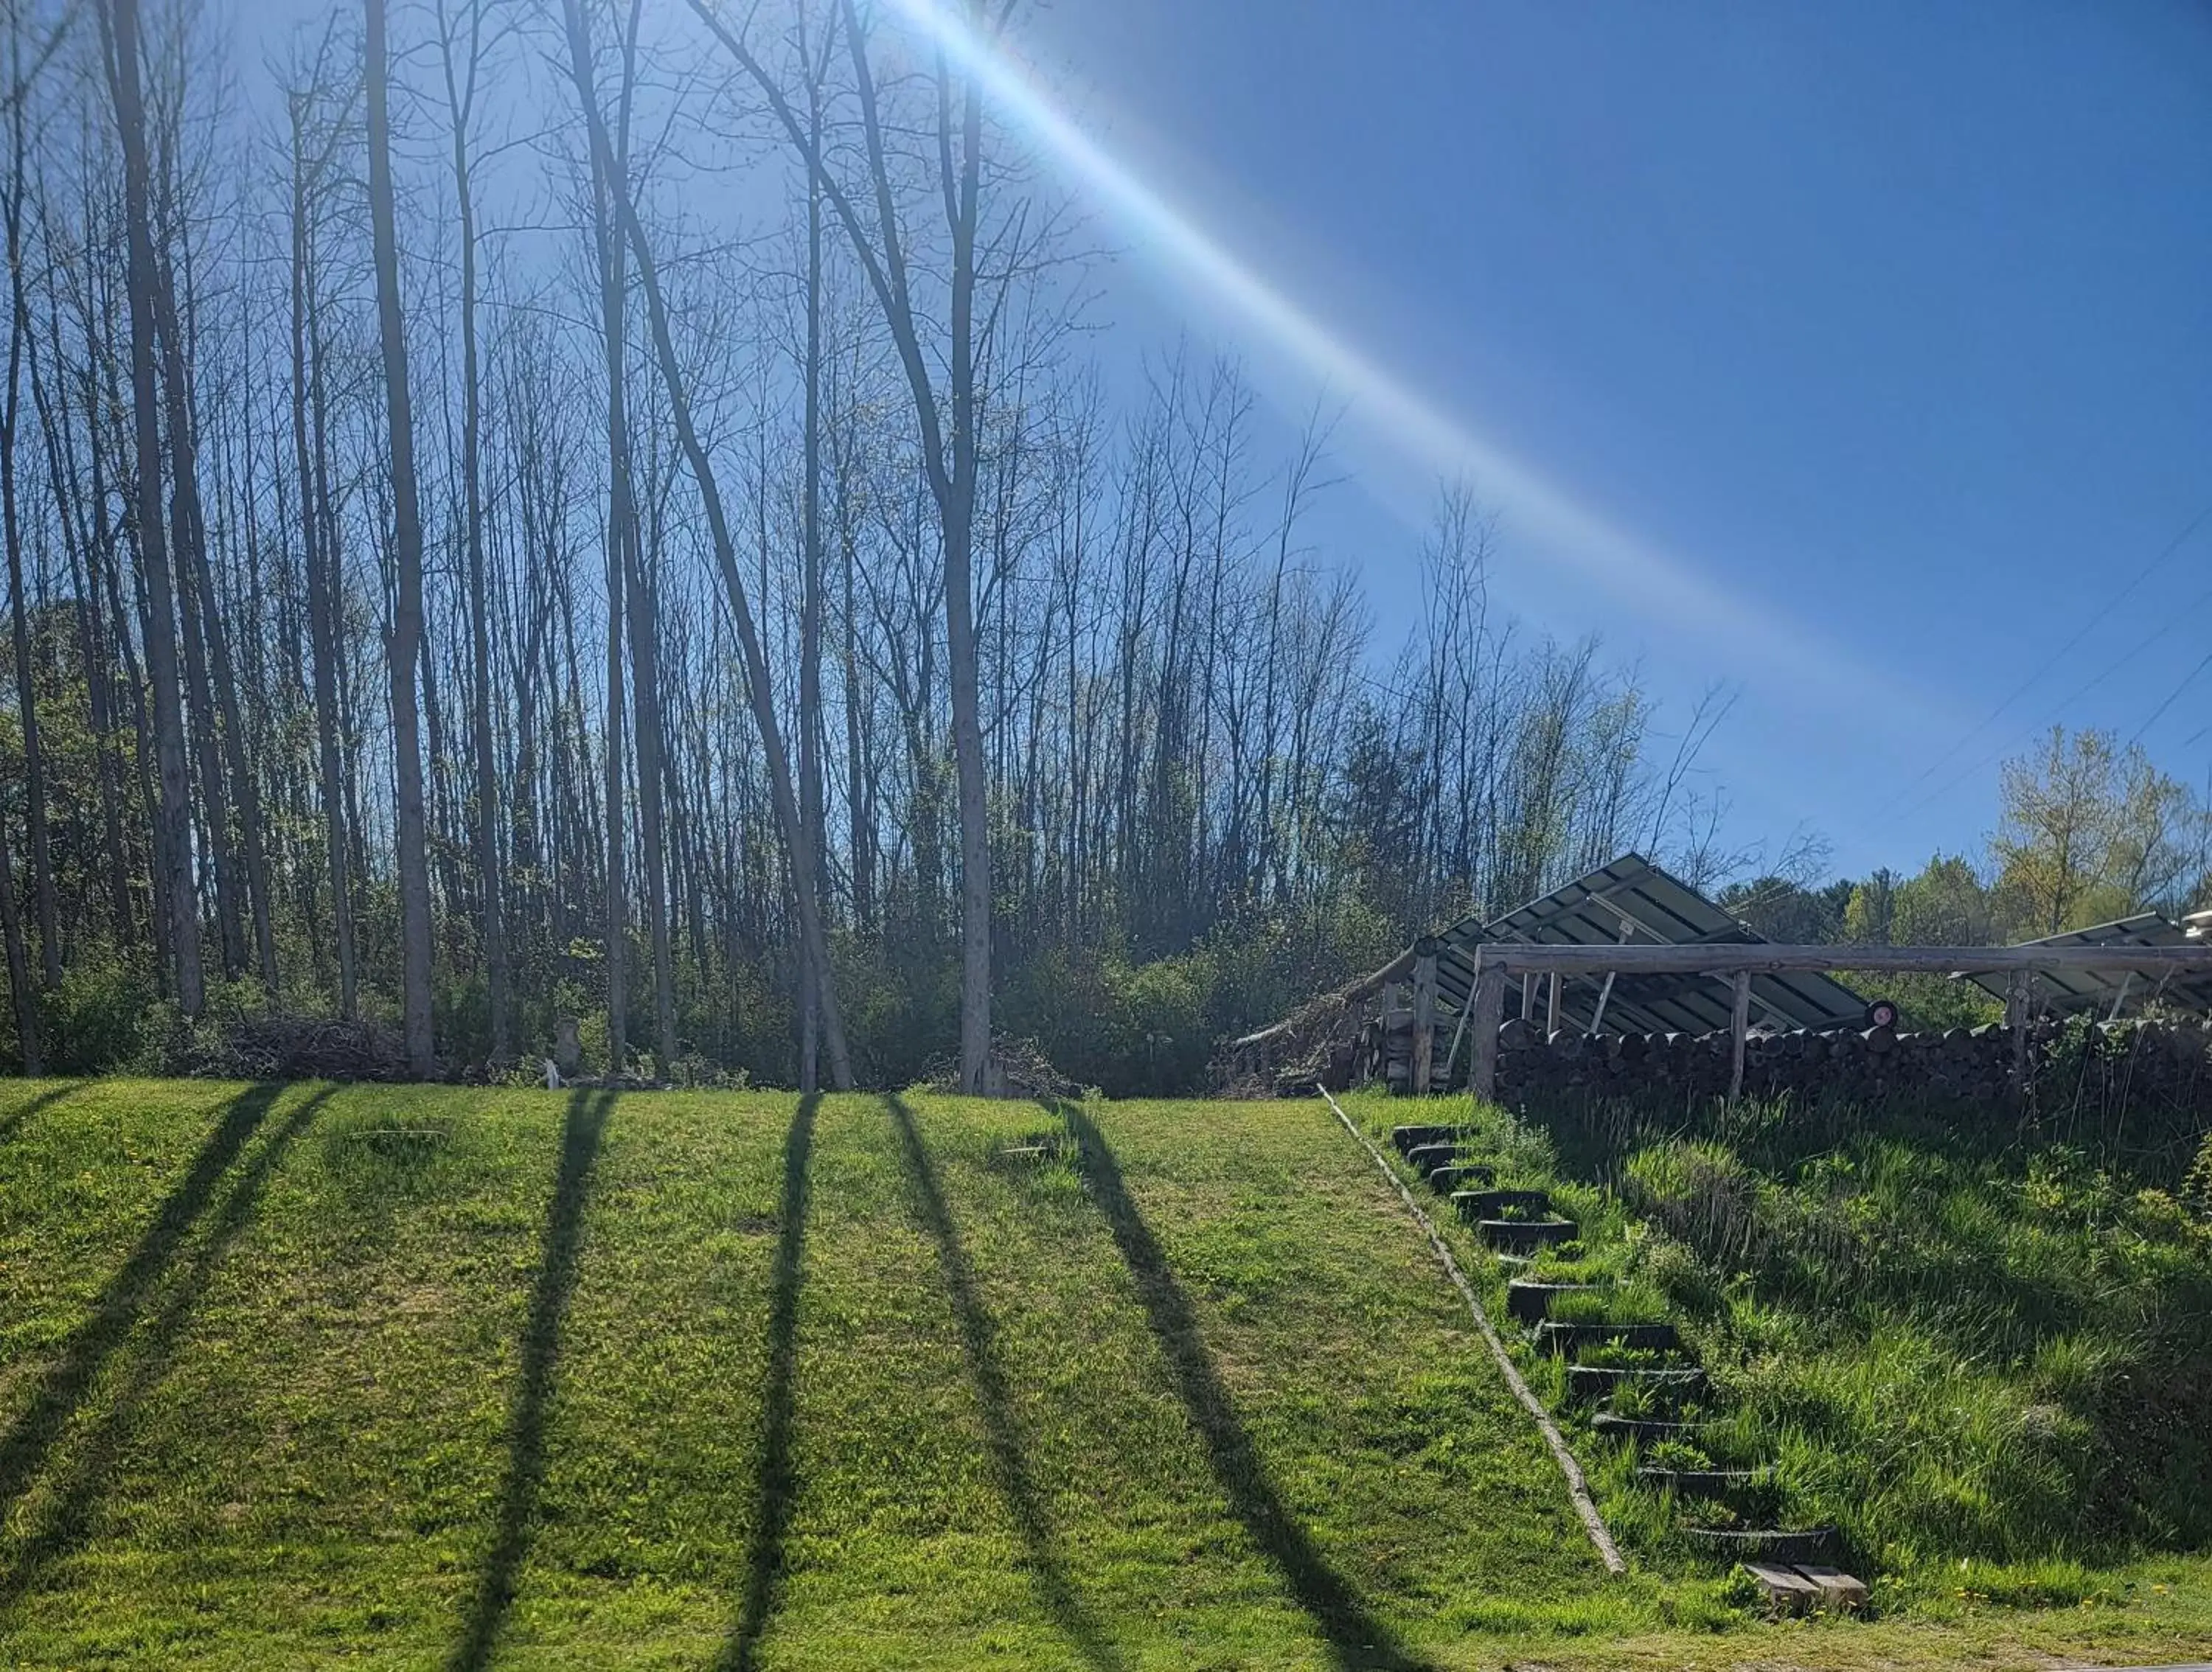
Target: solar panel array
{"type": "Point", "coordinates": [1631, 902]}
{"type": "Point", "coordinates": [2113, 992]}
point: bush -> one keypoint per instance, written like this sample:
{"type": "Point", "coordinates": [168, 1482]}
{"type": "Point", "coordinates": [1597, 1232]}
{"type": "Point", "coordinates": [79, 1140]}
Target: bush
{"type": "Point", "coordinates": [96, 1022]}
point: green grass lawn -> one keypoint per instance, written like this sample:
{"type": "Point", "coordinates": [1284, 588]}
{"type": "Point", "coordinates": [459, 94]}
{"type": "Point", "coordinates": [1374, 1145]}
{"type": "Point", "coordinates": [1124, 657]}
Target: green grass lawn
{"type": "Point", "coordinates": [444, 1378]}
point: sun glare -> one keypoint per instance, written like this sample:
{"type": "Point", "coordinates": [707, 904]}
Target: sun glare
{"type": "Point", "coordinates": [1414, 430]}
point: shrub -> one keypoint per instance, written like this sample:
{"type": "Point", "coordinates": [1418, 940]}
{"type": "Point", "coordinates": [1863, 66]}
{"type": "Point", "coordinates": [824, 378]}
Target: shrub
{"type": "Point", "coordinates": [96, 1022]}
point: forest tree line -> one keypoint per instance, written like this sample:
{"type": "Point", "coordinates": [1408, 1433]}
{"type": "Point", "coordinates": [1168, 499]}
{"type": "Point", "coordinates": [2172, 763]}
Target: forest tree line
{"type": "Point", "coordinates": [527, 508]}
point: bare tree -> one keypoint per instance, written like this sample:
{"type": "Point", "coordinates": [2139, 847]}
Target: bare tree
{"type": "Point", "coordinates": [462, 59]}
{"type": "Point", "coordinates": [407, 539]}
{"type": "Point", "coordinates": [798, 840]}
{"type": "Point", "coordinates": [309, 163]}
{"type": "Point", "coordinates": [176, 896]}
{"type": "Point", "coordinates": [946, 423]}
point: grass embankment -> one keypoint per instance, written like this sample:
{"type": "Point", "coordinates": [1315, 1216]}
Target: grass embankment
{"type": "Point", "coordinates": [456, 1378]}
{"type": "Point", "coordinates": [443, 1377]}
{"type": "Point", "coordinates": [1985, 1360]}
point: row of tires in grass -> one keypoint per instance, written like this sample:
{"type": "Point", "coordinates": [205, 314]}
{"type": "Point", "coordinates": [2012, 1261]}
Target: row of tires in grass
{"type": "Point", "coordinates": [1609, 1357]}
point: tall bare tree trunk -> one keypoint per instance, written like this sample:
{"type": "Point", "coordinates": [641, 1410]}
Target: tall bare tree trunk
{"type": "Point", "coordinates": [460, 98]}
{"type": "Point", "coordinates": [811, 800]}
{"type": "Point", "coordinates": [958, 516]}
{"type": "Point", "coordinates": [207, 660]}
{"type": "Point", "coordinates": [173, 857]}
{"type": "Point", "coordinates": [18, 968]}
{"type": "Point", "coordinates": [35, 765]}
{"type": "Point", "coordinates": [322, 584]}
{"type": "Point", "coordinates": [407, 608]}
{"type": "Point", "coordinates": [645, 677]}
{"type": "Point", "coordinates": [61, 471]}
{"type": "Point", "coordinates": [621, 532]}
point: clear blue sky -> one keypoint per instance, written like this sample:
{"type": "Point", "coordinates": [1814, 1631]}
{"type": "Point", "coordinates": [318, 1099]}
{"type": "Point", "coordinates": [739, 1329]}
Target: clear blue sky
{"type": "Point", "coordinates": [1885, 328]}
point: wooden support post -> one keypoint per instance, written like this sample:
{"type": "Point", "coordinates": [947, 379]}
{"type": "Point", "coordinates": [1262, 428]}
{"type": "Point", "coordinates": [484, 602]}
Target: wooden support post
{"type": "Point", "coordinates": [1425, 1019]}
{"type": "Point", "coordinates": [2019, 991]}
{"type": "Point", "coordinates": [1489, 1016]}
{"type": "Point", "coordinates": [1459, 1032]}
{"type": "Point", "coordinates": [1552, 1017]}
{"type": "Point", "coordinates": [2120, 998]}
{"type": "Point", "coordinates": [1528, 997]}
{"type": "Point", "coordinates": [1739, 1025]}
{"type": "Point", "coordinates": [1605, 993]}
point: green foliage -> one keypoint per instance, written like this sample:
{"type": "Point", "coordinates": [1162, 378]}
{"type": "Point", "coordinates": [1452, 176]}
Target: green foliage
{"type": "Point", "coordinates": [2197, 1184]}
{"type": "Point", "coordinates": [1784, 909]}
{"type": "Point", "coordinates": [2091, 830]}
{"type": "Point", "coordinates": [1677, 1455]}
{"type": "Point", "coordinates": [96, 1022]}
{"type": "Point", "coordinates": [2003, 1358]}
{"type": "Point", "coordinates": [1150, 1028]}
{"type": "Point", "coordinates": [1927, 1003]}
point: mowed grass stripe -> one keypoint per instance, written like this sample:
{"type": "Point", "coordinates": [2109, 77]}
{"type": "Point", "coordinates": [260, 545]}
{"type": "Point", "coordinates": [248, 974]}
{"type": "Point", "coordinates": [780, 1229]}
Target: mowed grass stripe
{"type": "Point", "coordinates": [460, 1382]}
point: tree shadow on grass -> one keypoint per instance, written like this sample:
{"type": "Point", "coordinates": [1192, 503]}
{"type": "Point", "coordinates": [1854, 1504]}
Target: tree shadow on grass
{"type": "Point", "coordinates": [152, 1342]}
{"type": "Point", "coordinates": [23, 1111]}
{"type": "Point", "coordinates": [1047, 1570]}
{"type": "Point", "coordinates": [776, 1486]}
{"type": "Point", "coordinates": [541, 1344]}
{"type": "Point", "coordinates": [23, 1452]}
{"type": "Point", "coordinates": [1355, 1637]}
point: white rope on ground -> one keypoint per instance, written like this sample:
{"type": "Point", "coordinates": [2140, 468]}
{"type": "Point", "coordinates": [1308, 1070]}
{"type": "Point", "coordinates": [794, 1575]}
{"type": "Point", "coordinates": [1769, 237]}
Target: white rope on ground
{"type": "Point", "coordinates": [1577, 1487]}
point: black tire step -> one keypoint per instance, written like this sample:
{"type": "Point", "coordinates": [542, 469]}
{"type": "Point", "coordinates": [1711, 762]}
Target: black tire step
{"type": "Point", "coordinates": [1646, 1430]}
{"type": "Point", "coordinates": [1570, 1337]}
{"type": "Point", "coordinates": [1587, 1381]}
{"type": "Point", "coordinates": [1407, 1137]}
{"type": "Point", "coordinates": [1497, 1204]}
{"type": "Point", "coordinates": [1703, 1482]}
{"type": "Point", "coordinates": [1524, 1237]}
{"type": "Point", "coordinates": [1527, 1301]}
{"type": "Point", "coordinates": [1461, 1176]}
{"type": "Point", "coordinates": [1426, 1159]}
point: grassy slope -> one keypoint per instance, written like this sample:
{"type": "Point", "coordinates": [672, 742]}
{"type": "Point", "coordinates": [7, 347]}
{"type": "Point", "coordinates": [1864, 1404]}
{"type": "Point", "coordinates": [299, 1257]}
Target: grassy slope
{"type": "Point", "coordinates": [1923, 1341]}
{"type": "Point", "coordinates": [554, 1379]}
{"type": "Point", "coordinates": [443, 1377]}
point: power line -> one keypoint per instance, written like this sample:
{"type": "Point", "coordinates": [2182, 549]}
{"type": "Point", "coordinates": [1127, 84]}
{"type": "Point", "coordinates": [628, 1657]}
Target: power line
{"type": "Point", "coordinates": [2171, 698]}
{"type": "Point", "coordinates": [2044, 666]}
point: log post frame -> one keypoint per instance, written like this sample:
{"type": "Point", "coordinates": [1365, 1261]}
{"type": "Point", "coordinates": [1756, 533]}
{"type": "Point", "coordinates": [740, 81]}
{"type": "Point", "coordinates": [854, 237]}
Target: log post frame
{"type": "Point", "coordinates": [1425, 1019]}
{"type": "Point", "coordinates": [1489, 1015]}
{"type": "Point", "coordinates": [1552, 1009]}
{"type": "Point", "coordinates": [1528, 996]}
{"type": "Point", "coordinates": [1739, 1025]}
{"type": "Point", "coordinates": [2020, 992]}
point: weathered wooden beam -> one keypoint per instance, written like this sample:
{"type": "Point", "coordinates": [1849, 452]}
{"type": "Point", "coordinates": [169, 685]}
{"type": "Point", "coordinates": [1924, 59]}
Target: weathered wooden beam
{"type": "Point", "coordinates": [1367, 987]}
{"type": "Point", "coordinates": [1605, 993]}
{"type": "Point", "coordinates": [1739, 1026]}
{"type": "Point", "coordinates": [1552, 1010]}
{"type": "Point", "coordinates": [1489, 1016]}
{"type": "Point", "coordinates": [1787, 1591]}
{"type": "Point", "coordinates": [2019, 993]}
{"type": "Point", "coordinates": [1769, 959]}
{"type": "Point", "coordinates": [1425, 1019]}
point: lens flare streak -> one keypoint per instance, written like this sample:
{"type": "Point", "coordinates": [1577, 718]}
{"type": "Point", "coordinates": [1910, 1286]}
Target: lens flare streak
{"type": "Point", "coordinates": [1658, 586]}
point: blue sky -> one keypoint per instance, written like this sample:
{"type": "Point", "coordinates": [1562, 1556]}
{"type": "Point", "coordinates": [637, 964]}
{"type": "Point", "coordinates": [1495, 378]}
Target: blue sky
{"type": "Point", "coordinates": [1858, 355]}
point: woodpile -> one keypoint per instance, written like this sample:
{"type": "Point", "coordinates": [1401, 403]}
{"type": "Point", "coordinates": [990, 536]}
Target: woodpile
{"type": "Point", "coordinates": [2147, 1061]}
{"type": "Point", "coordinates": [1321, 1044]}
{"type": "Point", "coordinates": [266, 1048]}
